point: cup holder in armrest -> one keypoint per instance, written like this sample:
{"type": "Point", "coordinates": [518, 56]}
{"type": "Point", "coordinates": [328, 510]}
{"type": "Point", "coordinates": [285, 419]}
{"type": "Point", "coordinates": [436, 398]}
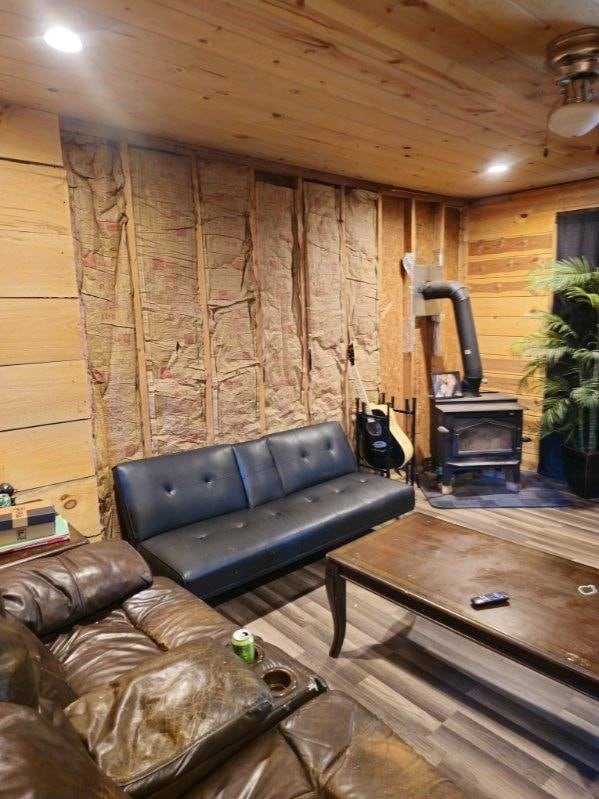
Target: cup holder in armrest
{"type": "Point", "coordinates": [280, 681]}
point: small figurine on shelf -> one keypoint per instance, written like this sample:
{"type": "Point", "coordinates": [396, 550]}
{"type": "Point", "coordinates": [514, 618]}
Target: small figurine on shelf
{"type": "Point", "coordinates": [7, 495]}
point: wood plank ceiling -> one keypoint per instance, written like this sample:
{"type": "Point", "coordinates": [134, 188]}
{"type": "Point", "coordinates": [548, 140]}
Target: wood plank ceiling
{"type": "Point", "coordinates": [423, 94]}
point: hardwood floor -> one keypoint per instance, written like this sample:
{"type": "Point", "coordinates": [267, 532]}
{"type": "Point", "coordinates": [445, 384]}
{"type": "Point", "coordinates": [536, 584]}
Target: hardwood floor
{"type": "Point", "coordinates": [499, 730]}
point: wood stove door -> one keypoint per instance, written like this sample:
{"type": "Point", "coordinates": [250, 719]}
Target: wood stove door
{"type": "Point", "coordinates": [480, 437]}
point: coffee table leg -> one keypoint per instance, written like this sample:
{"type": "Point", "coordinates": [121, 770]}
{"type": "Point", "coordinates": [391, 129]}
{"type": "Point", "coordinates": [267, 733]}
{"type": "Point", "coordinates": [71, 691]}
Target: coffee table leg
{"type": "Point", "coordinates": [335, 585]}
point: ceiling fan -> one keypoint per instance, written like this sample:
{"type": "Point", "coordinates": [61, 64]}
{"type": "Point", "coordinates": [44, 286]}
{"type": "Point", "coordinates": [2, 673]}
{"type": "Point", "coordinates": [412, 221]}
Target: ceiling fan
{"type": "Point", "coordinates": [574, 57]}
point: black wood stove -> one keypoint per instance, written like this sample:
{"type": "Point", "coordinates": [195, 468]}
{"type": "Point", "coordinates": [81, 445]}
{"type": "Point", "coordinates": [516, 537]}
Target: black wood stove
{"type": "Point", "coordinates": [477, 431]}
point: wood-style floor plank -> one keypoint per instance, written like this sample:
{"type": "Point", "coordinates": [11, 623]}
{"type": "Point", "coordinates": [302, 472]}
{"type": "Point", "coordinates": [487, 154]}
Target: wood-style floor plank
{"type": "Point", "coordinates": [499, 730]}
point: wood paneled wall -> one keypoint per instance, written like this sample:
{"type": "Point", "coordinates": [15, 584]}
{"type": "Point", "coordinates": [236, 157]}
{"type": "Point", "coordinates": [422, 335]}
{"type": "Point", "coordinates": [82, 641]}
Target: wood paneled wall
{"type": "Point", "coordinates": [45, 428]}
{"type": "Point", "coordinates": [508, 237]}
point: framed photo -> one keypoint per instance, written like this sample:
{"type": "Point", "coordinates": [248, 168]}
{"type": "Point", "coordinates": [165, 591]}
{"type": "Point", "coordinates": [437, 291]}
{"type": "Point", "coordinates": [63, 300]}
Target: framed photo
{"type": "Point", "coordinates": [446, 385]}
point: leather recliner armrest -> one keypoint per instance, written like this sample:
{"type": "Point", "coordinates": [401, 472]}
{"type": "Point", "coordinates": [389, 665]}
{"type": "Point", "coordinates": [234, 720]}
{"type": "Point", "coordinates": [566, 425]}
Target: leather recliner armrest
{"type": "Point", "coordinates": [153, 728]}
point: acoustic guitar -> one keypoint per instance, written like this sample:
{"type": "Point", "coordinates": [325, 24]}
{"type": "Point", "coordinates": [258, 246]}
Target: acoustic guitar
{"type": "Point", "coordinates": [378, 449]}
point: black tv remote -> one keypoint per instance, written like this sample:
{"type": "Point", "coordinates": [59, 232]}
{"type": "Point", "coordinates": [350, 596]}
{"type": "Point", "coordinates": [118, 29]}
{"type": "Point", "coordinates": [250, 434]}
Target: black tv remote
{"type": "Point", "coordinates": [489, 600]}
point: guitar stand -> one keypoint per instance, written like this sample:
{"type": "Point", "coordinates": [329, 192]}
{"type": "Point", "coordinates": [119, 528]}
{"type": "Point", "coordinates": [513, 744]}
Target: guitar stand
{"type": "Point", "coordinates": [409, 409]}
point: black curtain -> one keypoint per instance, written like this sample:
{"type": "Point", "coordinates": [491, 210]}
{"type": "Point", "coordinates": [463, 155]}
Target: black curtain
{"type": "Point", "coordinates": [577, 236]}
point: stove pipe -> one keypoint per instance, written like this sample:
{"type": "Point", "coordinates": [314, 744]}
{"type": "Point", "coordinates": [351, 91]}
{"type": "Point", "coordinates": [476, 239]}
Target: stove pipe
{"type": "Point", "coordinates": [458, 294]}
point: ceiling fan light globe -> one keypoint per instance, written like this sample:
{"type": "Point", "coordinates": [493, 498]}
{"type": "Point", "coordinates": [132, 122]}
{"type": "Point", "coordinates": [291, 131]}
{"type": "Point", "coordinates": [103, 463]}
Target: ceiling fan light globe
{"type": "Point", "coordinates": [574, 119]}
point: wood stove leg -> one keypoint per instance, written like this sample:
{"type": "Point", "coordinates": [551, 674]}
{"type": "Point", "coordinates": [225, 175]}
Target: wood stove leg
{"type": "Point", "coordinates": [514, 483]}
{"type": "Point", "coordinates": [446, 478]}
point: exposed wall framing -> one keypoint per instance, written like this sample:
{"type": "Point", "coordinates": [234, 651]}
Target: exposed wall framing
{"type": "Point", "coordinates": [238, 292]}
{"type": "Point", "coordinates": [324, 302]}
{"type": "Point", "coordinates": [96, 188]}
{"type": "Point", "coordinates": [232, 296]}
{"type": "Point", "coordinates": [164, 213]}
{"type": "Point", "coordinates": [424, 228]}
{"type": "Point", "coordinates": [361, 260]}
{"type": "Point", "coordinates": [277, 256]}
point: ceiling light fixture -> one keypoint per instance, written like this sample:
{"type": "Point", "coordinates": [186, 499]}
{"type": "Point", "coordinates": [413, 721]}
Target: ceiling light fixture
{"type": "Point", "coordinates": [497, 169]}
{"type": "Point", "coordinates": [575, 58]}
{"type": "Point", "coordinates": [63, 39]}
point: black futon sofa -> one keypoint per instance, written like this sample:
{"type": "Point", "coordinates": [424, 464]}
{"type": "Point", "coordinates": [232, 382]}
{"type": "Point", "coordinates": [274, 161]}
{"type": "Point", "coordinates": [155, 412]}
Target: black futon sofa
{"type": "Point", "coordinates": [216, 518]}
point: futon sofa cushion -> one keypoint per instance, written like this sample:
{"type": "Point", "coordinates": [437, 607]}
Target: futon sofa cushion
{"type": "Point", "coordinates": [158, 724]}
{"type": "Point", "coordinates": [157, 494]}
{"type": "Point", "coordinates": [258, 472]}
{"type": "Point", "coordinates": [311, 455]}
{"type": "Point", "coordinates": [219, 554]}
{"type": "Point", "coordinates": [48, 594]}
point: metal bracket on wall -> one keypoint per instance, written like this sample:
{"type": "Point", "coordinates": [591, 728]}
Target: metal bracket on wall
{"type": "Point", "coordinates": [418, 275]}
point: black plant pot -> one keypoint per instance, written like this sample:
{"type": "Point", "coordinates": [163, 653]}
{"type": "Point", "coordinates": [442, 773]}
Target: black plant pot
{"type": "Point", "coordinates": [582, 471]}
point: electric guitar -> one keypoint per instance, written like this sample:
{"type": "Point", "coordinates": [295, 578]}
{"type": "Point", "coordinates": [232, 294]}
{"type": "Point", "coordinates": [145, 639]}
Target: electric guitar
{"type": "Point", "coordinates": [379, 450]}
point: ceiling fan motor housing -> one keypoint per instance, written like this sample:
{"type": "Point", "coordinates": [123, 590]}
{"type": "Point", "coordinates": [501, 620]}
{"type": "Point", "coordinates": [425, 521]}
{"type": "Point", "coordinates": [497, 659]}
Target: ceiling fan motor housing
{"type": "Point", "coordinates": [575, 55]}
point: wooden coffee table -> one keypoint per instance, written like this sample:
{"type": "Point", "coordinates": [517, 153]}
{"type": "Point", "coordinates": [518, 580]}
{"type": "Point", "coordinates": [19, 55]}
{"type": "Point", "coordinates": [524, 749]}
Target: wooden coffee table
{"type": "Point", "coordinates": [433, 567]}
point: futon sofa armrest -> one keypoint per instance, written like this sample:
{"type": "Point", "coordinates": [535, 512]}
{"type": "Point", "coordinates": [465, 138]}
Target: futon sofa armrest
{"type": "Point", "coordinates": [51, 593]}
{"type": "Point", "coordinates": [161, 723]}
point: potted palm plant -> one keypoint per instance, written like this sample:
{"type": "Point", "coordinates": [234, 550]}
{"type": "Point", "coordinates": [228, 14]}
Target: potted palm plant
{"type": "Point", "coordinates": [563, 358]}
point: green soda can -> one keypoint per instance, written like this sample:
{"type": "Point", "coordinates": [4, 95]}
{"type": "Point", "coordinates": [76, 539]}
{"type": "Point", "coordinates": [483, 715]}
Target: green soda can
{"type": "Point", "coordinates": [244, 645]}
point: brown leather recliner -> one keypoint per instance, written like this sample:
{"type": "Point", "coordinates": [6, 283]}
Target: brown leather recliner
{"type": "Point", "coordinates": [115, 684]}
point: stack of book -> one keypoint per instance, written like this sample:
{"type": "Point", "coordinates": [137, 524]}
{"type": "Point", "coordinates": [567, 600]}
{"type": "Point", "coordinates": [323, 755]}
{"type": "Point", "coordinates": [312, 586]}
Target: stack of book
{"type": "Point", "coordinates": [31, 524]}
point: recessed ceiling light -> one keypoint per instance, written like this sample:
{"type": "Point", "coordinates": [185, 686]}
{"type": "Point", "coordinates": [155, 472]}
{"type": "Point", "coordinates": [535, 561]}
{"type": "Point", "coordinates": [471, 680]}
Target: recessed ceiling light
{"type": "Point", "coordinates": [497, 169]}
{"type": "Point", "coordinates": [63, 39]}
